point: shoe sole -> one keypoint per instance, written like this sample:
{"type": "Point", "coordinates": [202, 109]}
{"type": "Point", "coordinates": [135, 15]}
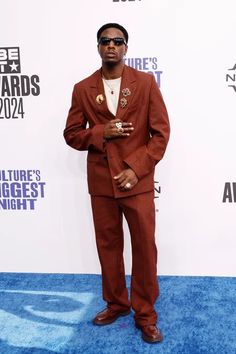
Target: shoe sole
{"type": "Point", "coordinates": [151, 341]}
{"type": "Point", "coordinates": [122, 314]}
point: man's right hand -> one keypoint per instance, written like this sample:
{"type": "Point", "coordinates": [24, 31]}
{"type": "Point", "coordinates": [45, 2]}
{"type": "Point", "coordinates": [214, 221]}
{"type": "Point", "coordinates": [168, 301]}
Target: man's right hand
{"type": "Point", "coordinates": [112, 131]}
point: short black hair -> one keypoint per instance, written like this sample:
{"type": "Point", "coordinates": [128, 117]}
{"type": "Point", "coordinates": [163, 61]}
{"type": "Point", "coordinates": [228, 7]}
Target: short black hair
{"type": "Point", "coordinates": [113, 25]}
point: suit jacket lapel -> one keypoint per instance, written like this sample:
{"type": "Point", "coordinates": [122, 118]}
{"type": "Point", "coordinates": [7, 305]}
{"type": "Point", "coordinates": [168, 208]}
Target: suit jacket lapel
{"type": "Point", "coordinates": [99, 96]}
{"type": "Point", "coordinates": [127, 90]}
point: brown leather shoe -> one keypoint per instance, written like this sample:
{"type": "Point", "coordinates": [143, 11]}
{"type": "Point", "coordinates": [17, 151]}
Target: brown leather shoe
{"type": "Point", "coordinates": [108, 316]}
{"type": "Point", "coordinates": [150, 333]}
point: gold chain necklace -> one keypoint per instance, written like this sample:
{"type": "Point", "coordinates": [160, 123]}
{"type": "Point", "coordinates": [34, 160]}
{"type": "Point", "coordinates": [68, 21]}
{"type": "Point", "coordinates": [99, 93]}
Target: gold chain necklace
{"type": "Point", "coordinates": [110, 88]}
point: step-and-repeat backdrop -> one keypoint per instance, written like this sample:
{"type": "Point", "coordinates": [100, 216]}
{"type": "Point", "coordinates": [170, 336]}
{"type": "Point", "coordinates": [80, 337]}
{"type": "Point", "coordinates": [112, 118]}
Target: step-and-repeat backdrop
{"type": "Point", "coordinates": [46, 47]}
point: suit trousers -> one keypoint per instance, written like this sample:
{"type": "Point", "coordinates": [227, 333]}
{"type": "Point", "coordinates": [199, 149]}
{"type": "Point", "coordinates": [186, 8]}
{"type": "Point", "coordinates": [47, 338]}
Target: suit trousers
{"type": "Point", "coordinates": [139, 211]}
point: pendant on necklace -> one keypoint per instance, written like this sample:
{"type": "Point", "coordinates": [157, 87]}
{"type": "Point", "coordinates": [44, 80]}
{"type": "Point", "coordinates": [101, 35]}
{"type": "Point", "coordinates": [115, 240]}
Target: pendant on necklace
{"type": "Point", "coordinates": [112, 92]}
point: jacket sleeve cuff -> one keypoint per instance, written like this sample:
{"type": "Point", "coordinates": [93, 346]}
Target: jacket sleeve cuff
{"type": "Point", "coordinates": [140, 162]}
{"type": "Point", "coordinates": [98, 136]}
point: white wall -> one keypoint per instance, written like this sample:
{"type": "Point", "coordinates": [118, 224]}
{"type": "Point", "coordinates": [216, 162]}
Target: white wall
{"type": "Point", "coordinates": [194, 43]}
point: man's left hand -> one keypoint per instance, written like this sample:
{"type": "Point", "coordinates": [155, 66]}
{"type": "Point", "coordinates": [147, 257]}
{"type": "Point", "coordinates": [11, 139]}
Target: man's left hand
{"type": "Point", "coordinates": [126, 180]}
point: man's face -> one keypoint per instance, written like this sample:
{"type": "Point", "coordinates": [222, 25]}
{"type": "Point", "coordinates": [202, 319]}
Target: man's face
{"type": "Point", "coordinates": [111, 51]}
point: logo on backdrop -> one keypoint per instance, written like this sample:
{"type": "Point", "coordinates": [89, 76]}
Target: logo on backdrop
{"type": "Point", "coordinates": [148, 65]}
{"type": "Point", "coordinates": [231, 78]}
{"type": "Point", "coordinates": [20, 189]}
{"type": "Point", "coordinates": [229, 193]}
{"type": "Point", "coordinates": [157, 189]}
{"type": "Point", "coordinates": [157, 193]}
{"type": "Point", "coordinates": [14, 86]}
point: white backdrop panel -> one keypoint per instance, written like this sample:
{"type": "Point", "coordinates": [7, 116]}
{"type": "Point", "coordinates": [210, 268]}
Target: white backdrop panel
{"type": "Point", "coordinates": [193, 42]}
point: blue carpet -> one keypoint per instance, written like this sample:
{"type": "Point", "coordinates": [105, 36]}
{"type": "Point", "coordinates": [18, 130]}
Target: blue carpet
{"type": "Point", "coordinates": [51, 313]}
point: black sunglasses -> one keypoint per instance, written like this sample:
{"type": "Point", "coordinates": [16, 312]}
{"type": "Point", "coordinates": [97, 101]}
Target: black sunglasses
{"type": "Point", "coordinates": [117, 41]}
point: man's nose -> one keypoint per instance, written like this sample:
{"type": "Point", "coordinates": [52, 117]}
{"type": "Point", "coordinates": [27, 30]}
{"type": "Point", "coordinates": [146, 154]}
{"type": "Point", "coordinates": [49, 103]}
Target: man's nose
{"type": "Point", "coordinates": [111, 44]}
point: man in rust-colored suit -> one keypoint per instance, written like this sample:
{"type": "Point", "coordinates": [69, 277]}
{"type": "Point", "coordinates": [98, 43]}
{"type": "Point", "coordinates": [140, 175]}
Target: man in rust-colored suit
{"type": "Point", "coordinates": [119, 117]}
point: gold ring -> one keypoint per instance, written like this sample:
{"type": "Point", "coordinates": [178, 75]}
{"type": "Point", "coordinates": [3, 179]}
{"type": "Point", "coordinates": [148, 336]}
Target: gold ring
{"type": "Point", "coordinates": [118, 125]}
{"type": "Point", "coordinates": [120, 130]}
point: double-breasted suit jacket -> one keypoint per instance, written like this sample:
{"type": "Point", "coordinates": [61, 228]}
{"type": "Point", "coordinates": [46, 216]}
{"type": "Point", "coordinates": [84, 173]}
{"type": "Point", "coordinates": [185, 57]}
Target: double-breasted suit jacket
{"type": "Point", "coordinates": [140, 103]}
